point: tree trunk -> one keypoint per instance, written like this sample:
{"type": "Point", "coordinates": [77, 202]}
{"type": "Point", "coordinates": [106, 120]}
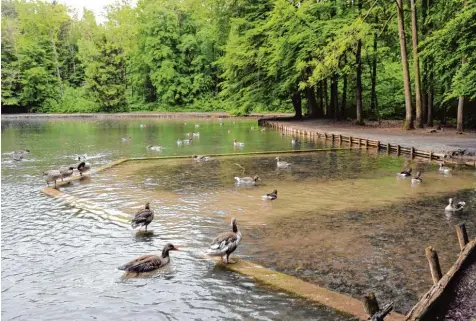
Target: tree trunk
{"type": "Point", "coordinates": [326, 98]}
{"type": "Point", "coordinates": [296, 99]}
{"type": "Point", "coordinates": [373, 92]}
{"type": "Point", "coordinates": [344, 93]}
{"type": "Point", "coordinates": [312, 103]}
{"type": "Point", "coordinates": [429, 119]}
{"type": "Point", "coordinates": [321, 97]}
{"type": "Point", "coordinates": [425, 71]}
{"type": "Point", "coordinates": [406, 74]}
{"type": "Point", "coordinates": [55, 60]}
{"type": "Point", "coordinates": [459, 116]}
{"type": "Point", "coordinates": [358, 88]}
{"type": "Point", "coordinates": [416, 67]}
{"type": "Point", "coordinates": [334, 97]}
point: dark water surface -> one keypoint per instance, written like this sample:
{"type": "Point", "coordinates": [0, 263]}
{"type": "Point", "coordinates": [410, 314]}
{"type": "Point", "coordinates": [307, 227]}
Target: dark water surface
{"type": "Point", "coordinates": [342, 220]}
{"type": "Point", "coordinates": [59, 262]}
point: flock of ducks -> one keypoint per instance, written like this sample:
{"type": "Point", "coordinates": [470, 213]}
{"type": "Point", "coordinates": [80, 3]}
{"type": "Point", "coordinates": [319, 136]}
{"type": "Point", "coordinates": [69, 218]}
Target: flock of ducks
{"type": "Point", "coordinates": [82, 166]}
{"type": "Point", "coordinates": [417, 179]}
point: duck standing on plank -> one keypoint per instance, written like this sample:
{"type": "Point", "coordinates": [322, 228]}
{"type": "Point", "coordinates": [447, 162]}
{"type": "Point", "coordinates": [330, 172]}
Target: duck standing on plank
{"type": "Point", "coordinates": [52, 176]}
{"type": "Point", "coordinates": [149, 262]}
{"type": "Point", "coordinates": [143, 217]}
{"type": "Point", "coordinates": [226, 243]}
{"type": "Point", "coordinates": [66, 172]}
{"type": "Point", "coordinates": [83, 166]}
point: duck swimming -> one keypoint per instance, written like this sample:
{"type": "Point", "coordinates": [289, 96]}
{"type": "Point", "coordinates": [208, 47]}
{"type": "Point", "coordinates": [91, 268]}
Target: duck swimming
{"type": "Point", "coordinates": [247, 180]}
{"type": "Point", "coordinates": [452, 208]}
{"type": "Point", "coordinates": [226, 243]}
{"type": "Point", "coordinates": [52, 176]}
{"type": "Point", "coordinates": [66, 172]}
{"type": "Point", "coordinates": [405, 173]}
{"type": "Point", "coordinates": [195, 134]}
{"type": "Point", "coordinates": [154, 148]}
{"type": "Point", "coordinates": [201, 158]}
{"type": "Point", "coordinates": [281, 164]}
{"type": "Point", "coordinates": [271, 196]}
{"type": "Point", "coordinates": [126, 139]}
{"type": "Point", "coordinates": [237, 143]}
{"type": "Point", "coordinates": [149, 262]}
{"type": "Point", "coordinates": [417, 179]}
{"type": "Point", "coordinates": [179, 142]}
{"type": "Point", "coordinates": [294, 141]}
{"type": "Point", "coordinates": [443, 169]}
{"type": "Point", "coordinates": [18, 155]}
{"type": "Point", "coordinates": [187, 141]}
{"type": "Point", "coordinates": [143, 217]}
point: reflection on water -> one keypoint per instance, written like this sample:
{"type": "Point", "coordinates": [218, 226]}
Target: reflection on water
{"type": "Point", "coordinates": [60, 262]}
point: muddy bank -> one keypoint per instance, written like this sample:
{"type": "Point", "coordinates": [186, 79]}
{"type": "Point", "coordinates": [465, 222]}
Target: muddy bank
{"type": "Point", "coordinates": [439, 141]}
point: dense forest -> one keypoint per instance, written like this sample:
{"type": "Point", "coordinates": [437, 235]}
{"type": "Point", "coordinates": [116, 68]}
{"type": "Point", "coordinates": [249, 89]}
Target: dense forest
{"type": "Point", "coordinates": [358, 59]}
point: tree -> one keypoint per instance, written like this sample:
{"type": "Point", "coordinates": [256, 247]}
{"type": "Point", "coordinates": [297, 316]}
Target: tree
{"type": "Point", "coordinates": [406, 74]}
{"type": "Point", "coordinates": [416, 66]}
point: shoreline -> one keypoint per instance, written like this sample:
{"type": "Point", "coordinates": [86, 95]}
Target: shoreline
{"type": "Point", "coordinates": [165, 115]}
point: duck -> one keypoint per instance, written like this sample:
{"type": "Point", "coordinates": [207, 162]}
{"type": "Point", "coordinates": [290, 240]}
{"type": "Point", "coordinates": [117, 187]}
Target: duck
{"type": "Point", "coordinates": [201, 158]}
{"type": "Point", "coordinates": [294, 141]}
{"type": "Point", "coordinates": [452, 208]}
{"type": "Point", "coordinates": [281, 164]}
{"type": "Point", "coordinates": [19, 154]}
{"type": "Point", "coordinates": [126, 139]}
{"type": "Point", "coordinates": [149, 262]}
{"type": "Point", "coordinates": [247, 180]}
{"type": "Point", "coordinates": [237, 143]}
{"type": "Point", "coordinates": [221, 124]}
{"type": "Point", "coordinates": [52, 176]}
{"type": "Point", "coordinates": [226, 243]}
{"type": "Point", "coordinates": [66, 172]}
{"type": "Point", "coordinates": [155, 148]}
{"type": "Point", "coordinates": [143, 217]}
{"type": "Point", "coordinates": [187, 141]}
{"type": "Point", "coordinates": [142, 126]}
{"type": "Point", "coordinates": [271, 196]}
{"type": "Point", "coordinates": [197, 125]}
{"type": "Point", "coordinates": [405, 173]}
{"type": "Point", "coordinates": [229, 131]}
{"type": "Point", "coordinates": [417, 179]}
{"type": "Point", "coordinates": [197, 134]}
{"type": "Point", "coordinates": [189, 134]}
{"type": "Point", "coordinates": [179, 142]}
{"type": "Point", "coordinates": [83, 166]}
{"type": "Point", "coordinates": [444, 169]}
{"type": "Point", "coordinates": [252, 128]}
{"type": "Point", "coordinates": [263, 129]}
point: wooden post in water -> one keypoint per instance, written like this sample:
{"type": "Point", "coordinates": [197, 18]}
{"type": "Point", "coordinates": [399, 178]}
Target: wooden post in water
{"type": "Point", "coordinates": [378, 145]}
{"type": "Point", "coordinates": [366, 143]}
{"type": "Point", "coordinates": [370, 304]}
{"type": "Point", "coordinates": [434, 263]}
{"type": "Point", "coordinates": [398, 150]}
{"type": "Point", "coordinates": [412, 152]}
{"type": "Point", "coordinates": [388, 148]}
{"type": "Point", "coordinates": [462, 235]}
{"type": "Point", "coordinates": [431, 155]}
{"type": "Point", "coordinates": [350, 141]}
{"type": "Point", "coordinates": [340, 140]}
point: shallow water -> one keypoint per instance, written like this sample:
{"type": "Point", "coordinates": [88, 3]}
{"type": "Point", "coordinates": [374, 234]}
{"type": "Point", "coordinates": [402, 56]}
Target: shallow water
{"type": "Point", "coordinates": [60, 262]}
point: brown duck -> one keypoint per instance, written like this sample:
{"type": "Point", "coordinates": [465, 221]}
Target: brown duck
{"type": "Point", "coordinates": [149, 262]}
{"type": "Point", "coordinates": [143, 218]}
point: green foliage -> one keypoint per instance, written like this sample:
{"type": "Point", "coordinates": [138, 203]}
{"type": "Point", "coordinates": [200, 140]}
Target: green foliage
{"type": "Point", "coordinates": [74, 100]}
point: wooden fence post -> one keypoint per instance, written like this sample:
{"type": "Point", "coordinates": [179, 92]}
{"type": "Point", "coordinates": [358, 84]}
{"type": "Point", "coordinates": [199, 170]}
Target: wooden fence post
{"type": "Point", "coordinates": [398, 150]}
{"type": "Point", "coordinates": [370, 304]}
{"type": "Point", "coordinates": [462, 235]}
{"type": "Point", "coordinates": [434, 263]}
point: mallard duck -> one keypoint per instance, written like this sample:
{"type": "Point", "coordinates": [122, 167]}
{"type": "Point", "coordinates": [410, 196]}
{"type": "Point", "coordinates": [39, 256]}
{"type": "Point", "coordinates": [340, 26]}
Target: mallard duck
{"type": "Point", "coordinates": [196, 134]}
{"type": "Point", "coordinates": [444, 169]}
{"type": "Point", "coordinates": [452, 208]}
{"type": "Point", "coordinates": [417, 178]}
{"type": "Point", "coordinates": [52, 176]}
{"type": "Point", "coordinates": [155, 148]}
{"type": "Point", "coordinates": [281, 164]}
{"type": "Point", "coordinates": [405, 173]}
{"type": "Point", "coordinates": [247, 180]}
{"type": "Point", "coordinates": [19, 154]}
{"type": "Point", "coordinates": [126, 139]}
{"type": "Point", "coordinates": [225, 243]}
{"type": "Point", "coordinates": [143, 217]}
{"type": "Point", "coordinates": [237, 143]}
{"type": "Point", "coordinates": [271, 196]}
{"type": "Point", "coordinates": [201, 158]}
{"type": "Point", "coordinates": [83, 166]}
{"type": "Point", "coordinates": [149, 262]}
{"type": "Point", "coordinates": [66, 172]}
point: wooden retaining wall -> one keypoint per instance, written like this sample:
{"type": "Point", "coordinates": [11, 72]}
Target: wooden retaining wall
{"type": "Point", "coordinates": [359, 142]}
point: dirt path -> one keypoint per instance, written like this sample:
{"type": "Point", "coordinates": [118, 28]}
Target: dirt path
{"type": "Point", "coordinates": [442, 141]}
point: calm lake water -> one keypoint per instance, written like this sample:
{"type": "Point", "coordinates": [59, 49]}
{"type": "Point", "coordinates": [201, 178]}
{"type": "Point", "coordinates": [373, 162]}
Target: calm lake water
{"type": "Point", "coordinates": [342, 220]}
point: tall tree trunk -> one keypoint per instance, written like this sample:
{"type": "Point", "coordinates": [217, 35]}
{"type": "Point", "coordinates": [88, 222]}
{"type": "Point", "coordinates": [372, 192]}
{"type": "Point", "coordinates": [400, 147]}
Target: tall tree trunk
{"type": "Point", "coordinates": [55, 61]}
{"type": "Point", "coordinates": [321, 97]}
{"type": "Point", "coordinates": [344, 92]}
{"type": "Point", "coordinates": [429, 118]}
{"type": "Point", "coordinates": [358, 88]}
{"type": "Point", "coordinates": [425, 71]}
{"type": "Point", "coordinates": [459, 116]}
{"type": "Point", "coordinates": [373, 90]}
{"type": "Point", "coordinates": [312, 103]}
{"type": "Point", "coordinates": [416, 66]}
{"type": "Point", "coordinates": [406, 74]}
{"type": "Point", "coordinates": [296, 99]}
{"type": "Point", "coordinates": [334, 97]}
{"type": "Point", "coordinates": [326, 98]}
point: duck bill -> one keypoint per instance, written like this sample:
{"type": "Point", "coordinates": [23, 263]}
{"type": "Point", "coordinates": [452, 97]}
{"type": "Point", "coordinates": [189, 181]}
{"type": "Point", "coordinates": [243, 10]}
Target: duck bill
{"type": "Point", "coordinates": [175, 249]}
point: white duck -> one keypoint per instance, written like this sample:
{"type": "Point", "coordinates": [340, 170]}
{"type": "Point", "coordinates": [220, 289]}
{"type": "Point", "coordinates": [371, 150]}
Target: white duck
{"type": "Point", "coordinates": [443, 169]}
{"type": "Point", "coordinates": [197, 134]}
{"type": "Point", "coordinates": [294, 141]}
{"type": "Point", "coordinates": [179, 142]}
{"type": "Point", "coordinates": [237, 143]}
{"type": "Point", "coordinates": [201, 158]}
{"type": "Point", "coordinates": [452, 208]}
{"type": "Point", "coordinates": [281, 164]}
{"type": "Point", "coordinates": [226, 243]}
{"type": "Point", "coordinates": [197, 125]}
{"type": "Point", "coordinates": [126, 139]}
{"type": "Point", "coordinates": [247, 180]}
{"type": "Point", "coordinates": [417, 179]}
{"type": "Point", "coordinates": [19, 154]}
{"type": "Point", "coordinates": [154, 148]}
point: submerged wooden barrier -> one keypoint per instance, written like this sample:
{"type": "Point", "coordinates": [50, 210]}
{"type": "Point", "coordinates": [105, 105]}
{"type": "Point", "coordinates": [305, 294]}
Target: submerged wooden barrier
{"type": "Point", "coordinates": [442, 284]}
{"type": "Point", "coordinates": [390, 148]}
